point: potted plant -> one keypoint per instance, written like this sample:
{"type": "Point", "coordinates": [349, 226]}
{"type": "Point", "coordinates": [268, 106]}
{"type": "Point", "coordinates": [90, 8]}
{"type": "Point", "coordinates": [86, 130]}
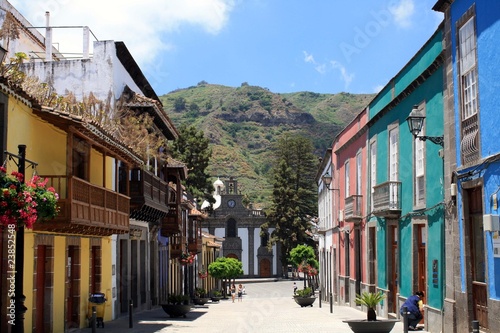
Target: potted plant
{"type": "Point", "coordinates": [177, 306]}
{"type": "Point", "coordinates": [216, 296]}
{"type": "Point", "coordinates": [200, 296]}
{"type": "Point", "coordinates": [371, 324]}
{"type": "Point", "coordinates": [304, 297]}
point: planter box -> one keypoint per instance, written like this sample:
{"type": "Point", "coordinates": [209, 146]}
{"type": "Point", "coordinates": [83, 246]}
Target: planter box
{"type": "Point", "coordinates": [304, 301]}
{"type": "Point", "coordinates": [176, 310]}
{"type": "Point", "coordinates": [377, 326]}
{"type": "Point", "coordinates": [200, 301]}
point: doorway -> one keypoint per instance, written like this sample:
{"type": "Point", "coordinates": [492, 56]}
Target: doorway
{"type": "Point", "coordinates": [265, 268]}
{"type": "Point", "coordinates": [73, 287]}
{"type": "Point", "coordinates": [474, 216]}
{"type": "Point", "coordinates": [393, 269]}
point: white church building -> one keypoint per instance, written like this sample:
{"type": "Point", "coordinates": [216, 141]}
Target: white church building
{"type": "Point", "coordinates": [240, 228]}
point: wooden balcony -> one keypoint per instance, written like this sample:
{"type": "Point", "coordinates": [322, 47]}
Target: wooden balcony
{"type": "Point", "coordinates": [148, 196]}
{"type": "Point", "coordinates": [353, 208]}
{"type": "Point", "coordinates": [177, 246]}
{"type": "Point", "coordinates": [195, 245]}
{"type": "Point", "coordinates": [86, 209]}
{"type": "Point", "coordinates": [172, 223]}
{"type": "Point", "coordinates": [387, 200]}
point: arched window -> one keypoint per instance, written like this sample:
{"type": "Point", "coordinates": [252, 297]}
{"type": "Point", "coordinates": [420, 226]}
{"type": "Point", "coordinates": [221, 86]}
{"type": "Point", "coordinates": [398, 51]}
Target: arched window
{"type": "Point", "coordinates": [231, 230]}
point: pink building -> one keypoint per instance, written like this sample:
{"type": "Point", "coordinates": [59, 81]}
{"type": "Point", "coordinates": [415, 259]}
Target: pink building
{"type": "Point", "coordinates": [349, 173]}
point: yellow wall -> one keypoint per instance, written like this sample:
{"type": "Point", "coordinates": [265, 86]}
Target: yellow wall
{"type": "Point", "coordinates": [45, 143]}
{"type": "Point", "coordinates": [96, 174]}
{"type": "Point", "coordinates": [106, 285]}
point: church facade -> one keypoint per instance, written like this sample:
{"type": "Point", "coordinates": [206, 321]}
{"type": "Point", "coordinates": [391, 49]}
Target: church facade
{"type": "Point", "coordinates": [240, 227]}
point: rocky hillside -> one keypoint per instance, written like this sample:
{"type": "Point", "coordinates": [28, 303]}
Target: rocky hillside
{"type": "Point", "coordinates": [242, 123]}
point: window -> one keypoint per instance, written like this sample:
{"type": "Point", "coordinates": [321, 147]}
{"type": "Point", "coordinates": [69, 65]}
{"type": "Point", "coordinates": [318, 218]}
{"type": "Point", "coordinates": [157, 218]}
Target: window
{"type": "Point", "coordinates": [393, 168]}
{"type": "Point", "coordinates": [373, 168]}
{"type": "Point", "coordinates": [359, 163]}
{"type": "Point", "coordinates": [468, 91]}
{"type": "Point", "coordinates": [347, 180]}
{"type": "Point", "coordinates": [231, 230]}
{"type": "Point", "coordinates": [419, 169]}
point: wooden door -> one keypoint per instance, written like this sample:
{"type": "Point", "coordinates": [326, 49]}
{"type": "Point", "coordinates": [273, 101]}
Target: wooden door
{"type": "Point", "coordinates": [477, 256]}
{"type": "Point", "coordinates": [40, 288]}
{"type": "Point", "coordinates": [393, 268]}
{"type": "Point", "coordinates": [265, 268]}
{"type": "Point", "coordinates": [421, 233]}
{"type": "Point", "coordinates": [72, 287]}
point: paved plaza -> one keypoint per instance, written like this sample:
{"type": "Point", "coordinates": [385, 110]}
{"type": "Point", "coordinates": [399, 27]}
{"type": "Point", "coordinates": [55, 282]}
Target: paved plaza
{"type": "Point", "coordinates": [266, 307]}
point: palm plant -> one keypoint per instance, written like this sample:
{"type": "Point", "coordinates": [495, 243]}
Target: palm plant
{"type": "Point", "coordinates": [370, 300]}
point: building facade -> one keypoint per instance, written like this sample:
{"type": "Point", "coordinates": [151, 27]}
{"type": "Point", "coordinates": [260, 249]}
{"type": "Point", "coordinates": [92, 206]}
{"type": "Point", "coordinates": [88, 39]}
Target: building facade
{"type": "Point", "coordinates": [473, 240]}
{"type": "Point", "coordinates": [240, 227]}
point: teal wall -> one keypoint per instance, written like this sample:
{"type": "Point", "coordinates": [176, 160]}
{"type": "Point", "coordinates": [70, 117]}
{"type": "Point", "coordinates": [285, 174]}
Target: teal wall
{"type": "Point", "coordinates": [429, 92]}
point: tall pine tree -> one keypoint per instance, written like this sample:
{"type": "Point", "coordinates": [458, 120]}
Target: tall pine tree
{"type": "Point", "coordinates": [193, 148]}
{"type": "Point", "coordinates": [294, 198]}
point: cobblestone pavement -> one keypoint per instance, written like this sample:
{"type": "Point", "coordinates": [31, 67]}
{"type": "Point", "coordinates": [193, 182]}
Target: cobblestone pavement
{"type": "Point", "coordinates": [266, 307]}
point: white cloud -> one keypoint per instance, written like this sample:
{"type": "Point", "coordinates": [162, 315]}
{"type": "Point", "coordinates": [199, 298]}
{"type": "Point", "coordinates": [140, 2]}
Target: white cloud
{"type": "Point", "coordinates": [308, 58]}
{"type": "Point", "coordinates": [402, 12]}
{"type": "Point", "coordinates": [346, 77]}
{"type": "Point", "coordinates": [142, 25]}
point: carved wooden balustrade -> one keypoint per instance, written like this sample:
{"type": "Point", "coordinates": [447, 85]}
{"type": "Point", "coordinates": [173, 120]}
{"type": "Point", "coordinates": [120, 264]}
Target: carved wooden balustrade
{"type": "Point", "coordinates": [148, 196]}
{"type": "Point", "coordinates": [87, 209]}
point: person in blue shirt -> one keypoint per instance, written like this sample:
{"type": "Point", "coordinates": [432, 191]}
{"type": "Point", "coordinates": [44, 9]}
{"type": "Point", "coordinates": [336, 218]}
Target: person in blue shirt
{"type": "Point", "coordinates": [414, 305]}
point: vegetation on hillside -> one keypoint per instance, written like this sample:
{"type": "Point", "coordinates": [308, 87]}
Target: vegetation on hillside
{"type": "Point", "coordinates": [243, 123]}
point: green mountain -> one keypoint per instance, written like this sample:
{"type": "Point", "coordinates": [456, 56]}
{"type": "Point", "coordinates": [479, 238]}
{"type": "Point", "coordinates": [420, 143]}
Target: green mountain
{"type": "Point", "coordinates": [242, 123]}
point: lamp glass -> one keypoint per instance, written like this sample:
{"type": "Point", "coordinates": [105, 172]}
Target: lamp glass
{"type": "Point", "coordinates": [415, 121]}
{"type": "Point", "coordinates": [327, 179]}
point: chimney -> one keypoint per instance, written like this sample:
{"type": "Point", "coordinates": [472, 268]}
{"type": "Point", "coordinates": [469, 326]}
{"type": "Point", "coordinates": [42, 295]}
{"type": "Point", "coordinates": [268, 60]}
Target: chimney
{"type": "Point", "coordinates": [48, 38]}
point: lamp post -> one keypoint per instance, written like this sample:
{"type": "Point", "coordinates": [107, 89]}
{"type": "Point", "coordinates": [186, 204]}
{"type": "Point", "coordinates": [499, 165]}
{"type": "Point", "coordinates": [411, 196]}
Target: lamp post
{"type": "Point", "coordinates": [19, 297]}
{"type": "Point", "coordinates": [415, 122]}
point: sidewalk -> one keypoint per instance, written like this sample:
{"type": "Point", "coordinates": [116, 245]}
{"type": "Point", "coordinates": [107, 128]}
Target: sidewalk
{"type": "Point", "coordinates": [267, 307]}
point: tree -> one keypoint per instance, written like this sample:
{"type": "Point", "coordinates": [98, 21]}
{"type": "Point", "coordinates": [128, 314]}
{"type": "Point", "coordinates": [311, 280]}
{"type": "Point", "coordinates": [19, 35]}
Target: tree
{"type": "Point", "coordinates": [225, 269]}
{"type": "Point", "coordinates": [304, 256]}
{"type": "Point", "coordinates": [294, 198]}
{"type": "Point", "coordinates": [193, 149]}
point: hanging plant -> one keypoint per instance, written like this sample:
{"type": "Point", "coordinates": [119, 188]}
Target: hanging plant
{"type": "Point", "coordinates": [186, 258]}
{"type": "Point", "coordinates": [23, 204]}
{"type": "Point", "coordinates": [203, 274]}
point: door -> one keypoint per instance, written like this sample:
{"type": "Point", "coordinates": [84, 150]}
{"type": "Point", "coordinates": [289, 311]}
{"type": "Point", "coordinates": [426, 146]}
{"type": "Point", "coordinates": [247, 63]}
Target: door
{"type": "Point", "coordinates": [40, 288]}
{"type": "Point", "coordinates": [393, 268]}
{"type": "Point", "coordinates": [477, 257]}
{"type": "Point", "coordinates": [265, 268]}
{"type": "Point", "coordinates": [421, 232]}
{"type": "Point", "coordinates": [73, 288]}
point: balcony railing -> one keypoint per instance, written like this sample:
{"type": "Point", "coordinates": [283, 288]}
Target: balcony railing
{"type": "Point", "coordinates": [387, 199]}
{"type": "Point", "coordinates": [87, 209]}
{"type": "Point", "coordinates": [148, 196]}
{"type": "Point", "coordinates": [172, 223]}
{"type": "Point", "coordinates": [353, 208]}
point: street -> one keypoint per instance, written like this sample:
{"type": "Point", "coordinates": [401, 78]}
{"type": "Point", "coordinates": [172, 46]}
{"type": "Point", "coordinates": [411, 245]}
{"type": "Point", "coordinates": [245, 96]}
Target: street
{"type": "Point", "coordinates": [266, 307]}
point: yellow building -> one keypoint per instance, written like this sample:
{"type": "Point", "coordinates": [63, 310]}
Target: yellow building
{"type": "Point", "coordinates": [67, 258]}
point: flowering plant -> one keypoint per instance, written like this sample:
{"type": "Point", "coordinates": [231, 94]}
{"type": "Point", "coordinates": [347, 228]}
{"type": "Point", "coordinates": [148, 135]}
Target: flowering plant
{"type": "Point", "coordinates": [23, 204]}
{"type": "Point", "coordinates": [307, 269]}
{"type": "Point", "coordinates": [203, 274]}
{"type": "Point", "coordinates": [186, 258]}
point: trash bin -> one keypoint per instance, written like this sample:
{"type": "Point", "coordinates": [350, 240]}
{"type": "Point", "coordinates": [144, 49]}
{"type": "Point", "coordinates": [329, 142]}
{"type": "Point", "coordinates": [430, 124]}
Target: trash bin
{"type": "Point", "coordinates": [99, 301]}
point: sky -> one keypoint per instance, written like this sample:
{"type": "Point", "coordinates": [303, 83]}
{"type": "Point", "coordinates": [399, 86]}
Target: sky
{"type": "Point", "coordinates": [322, 46]}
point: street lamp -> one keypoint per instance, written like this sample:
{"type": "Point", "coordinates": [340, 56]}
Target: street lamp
{"type": "Point", "coordinates": [415, 122]}
{"type": "Point", "coordinates": [327, 180]}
